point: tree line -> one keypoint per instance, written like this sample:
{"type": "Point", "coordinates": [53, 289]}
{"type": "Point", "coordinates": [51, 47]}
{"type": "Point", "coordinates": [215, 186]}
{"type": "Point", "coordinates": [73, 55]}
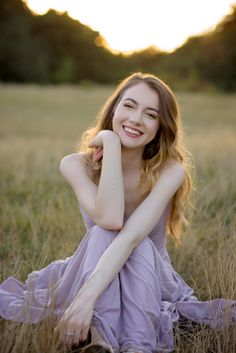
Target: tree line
{"type": "Point", "coordinates": [54, 48]}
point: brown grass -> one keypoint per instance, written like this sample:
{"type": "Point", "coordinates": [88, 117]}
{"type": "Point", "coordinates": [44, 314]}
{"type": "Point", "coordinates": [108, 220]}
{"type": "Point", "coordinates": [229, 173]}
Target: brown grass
{"type": "Point", "coordinates": [40, 219]}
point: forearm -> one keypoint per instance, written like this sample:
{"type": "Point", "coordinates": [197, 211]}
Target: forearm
{"type": "Point", "coordinates": [112, 260]}
{"type": "Point", "coordinates": [108, 266]}
{"type": "Point", "coordinates": [110, 195]}
{"type": "Point", "coordinates": [136, 228]}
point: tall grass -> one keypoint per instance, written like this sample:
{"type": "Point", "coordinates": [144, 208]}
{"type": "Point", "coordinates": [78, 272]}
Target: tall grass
{"type": "Point", "coordinates": [40, 220]}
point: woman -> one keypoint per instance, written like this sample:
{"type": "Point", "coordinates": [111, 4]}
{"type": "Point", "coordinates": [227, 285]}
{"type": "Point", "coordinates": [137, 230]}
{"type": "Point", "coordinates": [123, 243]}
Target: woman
{"type": "Point", "coordinates": [131, 178]}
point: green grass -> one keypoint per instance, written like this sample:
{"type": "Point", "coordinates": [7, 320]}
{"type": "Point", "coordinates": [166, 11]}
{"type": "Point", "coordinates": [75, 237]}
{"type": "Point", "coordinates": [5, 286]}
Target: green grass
{"type": "Point", "coordinates": [40, 219]}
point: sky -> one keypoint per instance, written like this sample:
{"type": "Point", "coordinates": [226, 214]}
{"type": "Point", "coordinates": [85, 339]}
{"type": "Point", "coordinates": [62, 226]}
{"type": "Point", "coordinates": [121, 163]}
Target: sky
{"type": "Point", "coordinates": [129, 25]}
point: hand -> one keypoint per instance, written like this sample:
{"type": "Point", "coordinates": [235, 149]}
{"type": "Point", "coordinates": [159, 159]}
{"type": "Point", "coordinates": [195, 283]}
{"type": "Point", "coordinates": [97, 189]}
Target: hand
{"type": "Point", "coordinates": [98, 142]}
{"type": "Point", "coordinates": [76, 319]}
{"type": "Point", "coordinates": [98, 154]}
{"type": "Point", "coordinates": [99, 138]}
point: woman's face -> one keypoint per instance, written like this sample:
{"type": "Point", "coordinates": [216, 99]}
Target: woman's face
{"type": "Point", "coordinates": [138, 109]}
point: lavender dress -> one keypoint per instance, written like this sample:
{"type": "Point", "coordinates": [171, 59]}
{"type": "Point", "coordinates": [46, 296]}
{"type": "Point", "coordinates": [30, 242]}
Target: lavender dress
{"type": "Point", "coordinates": [137, 310]}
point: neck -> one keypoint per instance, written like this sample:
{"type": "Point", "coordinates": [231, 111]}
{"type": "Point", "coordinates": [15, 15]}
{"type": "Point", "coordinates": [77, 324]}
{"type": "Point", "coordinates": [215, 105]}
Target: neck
{"type": "Point", "coordinates": [131, 160]}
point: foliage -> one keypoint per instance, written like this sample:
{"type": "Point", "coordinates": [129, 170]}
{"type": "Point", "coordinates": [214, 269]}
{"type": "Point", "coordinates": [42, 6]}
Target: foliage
{"type": "Point", "coordinates": [55, 48]}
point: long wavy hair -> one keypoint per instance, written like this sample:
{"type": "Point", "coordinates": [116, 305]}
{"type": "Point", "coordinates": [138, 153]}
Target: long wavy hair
{"type": "Point", "coordinates": [166, 146]}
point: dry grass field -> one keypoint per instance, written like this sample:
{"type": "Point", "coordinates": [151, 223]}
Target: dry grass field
{"type": "Point", "coordinates": [40, 219]}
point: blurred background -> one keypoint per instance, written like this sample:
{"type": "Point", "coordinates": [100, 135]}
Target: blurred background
{"type": "Point", "coordinates": [190, 44]}
{"type": "Point", "coordinates": [59, 62]}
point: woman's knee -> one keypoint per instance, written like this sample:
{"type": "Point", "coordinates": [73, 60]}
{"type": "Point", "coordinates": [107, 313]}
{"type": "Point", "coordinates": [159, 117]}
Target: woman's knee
{"type": "Point", "coordinates": [98, 240]}
{"type": "Point", "coordinates": [99, 234]}
{"type": "Point", "coordinates": [143, 247]}
{"type": "Point", "coordinates": [146, 250]}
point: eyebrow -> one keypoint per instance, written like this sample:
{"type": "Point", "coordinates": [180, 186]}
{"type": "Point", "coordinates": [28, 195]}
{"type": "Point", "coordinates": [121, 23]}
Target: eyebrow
{"type": "Point", "coordinates": [135, 102]}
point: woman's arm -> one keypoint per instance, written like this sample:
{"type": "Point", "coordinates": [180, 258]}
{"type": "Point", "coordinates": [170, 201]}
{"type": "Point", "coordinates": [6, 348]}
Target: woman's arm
{"type": "Point", "coordinates": [136, 228]}
{"type": "Point", "coordinates": [110, 194]}
{"type": "Point", "coordinates": [104, 203]}
{"type": "Point", "coordinates": [78, 316]}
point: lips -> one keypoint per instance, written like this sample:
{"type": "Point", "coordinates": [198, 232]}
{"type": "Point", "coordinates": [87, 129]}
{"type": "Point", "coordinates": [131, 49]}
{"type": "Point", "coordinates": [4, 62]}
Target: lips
{"type": "Point", "coordinates": [132, 135]}
{"type": "Point", "coordinates": [133, 128]}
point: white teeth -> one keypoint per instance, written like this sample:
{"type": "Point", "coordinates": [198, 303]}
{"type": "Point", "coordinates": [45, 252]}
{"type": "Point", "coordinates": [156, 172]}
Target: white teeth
{"type": "Point", "coordinates": [132, 131]}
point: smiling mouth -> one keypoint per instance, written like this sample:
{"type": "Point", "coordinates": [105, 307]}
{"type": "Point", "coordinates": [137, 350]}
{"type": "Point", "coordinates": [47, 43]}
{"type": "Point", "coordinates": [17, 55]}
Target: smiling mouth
{"type": "Point", "coordinates": [132, 133]}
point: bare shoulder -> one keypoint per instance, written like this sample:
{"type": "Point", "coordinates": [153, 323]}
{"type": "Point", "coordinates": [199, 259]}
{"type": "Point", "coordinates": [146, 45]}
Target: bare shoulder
{"type": "Point", "coordinates": [172, 173]}
{"type": "Point", "coordinates": [173, 167]}
{"type": "Point", "coordinates": [74, 156]}
{"type": "Point", "coordinates": [73, 166]}
{"type": "Point", "coordinates": [77, 159]}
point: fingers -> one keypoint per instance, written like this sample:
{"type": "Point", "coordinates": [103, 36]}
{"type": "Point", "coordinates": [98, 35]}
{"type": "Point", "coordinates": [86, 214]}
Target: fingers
{"type": "Point", "coordinates": [84, 333]}
{"type": "Point", "coordinates": [78, 337]}
{"type": "Point", "coordinates": [98, 154]}
{"type": "Point", "coordinates": [71, 329]}
{"type": "Point", "coordinates": [94, 142]}
{"type": "Point", "coordinates": [71, 334]}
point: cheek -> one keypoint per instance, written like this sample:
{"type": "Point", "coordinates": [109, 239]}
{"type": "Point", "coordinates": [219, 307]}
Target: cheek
{"type": "Point", "coordinates": [116, 121]}
{"type": "Point", "coordinates": [154, 126]}
{"type": "Point", "coordinates": [115, 125]}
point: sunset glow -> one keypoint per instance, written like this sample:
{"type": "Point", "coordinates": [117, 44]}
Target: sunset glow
{"type": "Point", "coordinates": [133, 25]}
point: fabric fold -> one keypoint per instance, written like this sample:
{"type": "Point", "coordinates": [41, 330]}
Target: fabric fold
{"type": "Point", "coordinates": [139, 308]}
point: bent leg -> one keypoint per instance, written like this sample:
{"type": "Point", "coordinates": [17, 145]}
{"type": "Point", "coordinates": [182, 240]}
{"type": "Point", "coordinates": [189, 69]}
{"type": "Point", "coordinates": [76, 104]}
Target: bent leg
{"type": "Point", "coordinates": [141, 299]}
{"type": "Point", "coordinates": [50, 291]}
{"type": "Point", "coordinates": [107, 308]}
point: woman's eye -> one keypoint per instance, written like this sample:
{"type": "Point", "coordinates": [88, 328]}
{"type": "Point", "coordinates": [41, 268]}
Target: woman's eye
{"type": "Point", "coordinates": [152, 115]}
{"type": "Point", "coordinates": [128, 105]}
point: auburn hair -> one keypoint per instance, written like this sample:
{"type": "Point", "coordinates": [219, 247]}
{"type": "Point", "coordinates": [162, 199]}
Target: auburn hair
{"type": "Point", "coordinates": [165, 147]}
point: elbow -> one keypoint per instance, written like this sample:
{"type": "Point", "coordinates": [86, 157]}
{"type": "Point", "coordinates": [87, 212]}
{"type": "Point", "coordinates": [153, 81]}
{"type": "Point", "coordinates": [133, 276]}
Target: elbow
{"type": "Point", "coordinates": [109, 222]}
{"type": "Point", "coordinates": [111, 226]}
{"type": "Point", "coordinates": [117, 227]}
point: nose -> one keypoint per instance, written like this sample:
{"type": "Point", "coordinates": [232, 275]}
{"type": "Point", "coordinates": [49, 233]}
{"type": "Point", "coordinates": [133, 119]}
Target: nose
{"type": "Point", "coordinates": [136, 117]}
